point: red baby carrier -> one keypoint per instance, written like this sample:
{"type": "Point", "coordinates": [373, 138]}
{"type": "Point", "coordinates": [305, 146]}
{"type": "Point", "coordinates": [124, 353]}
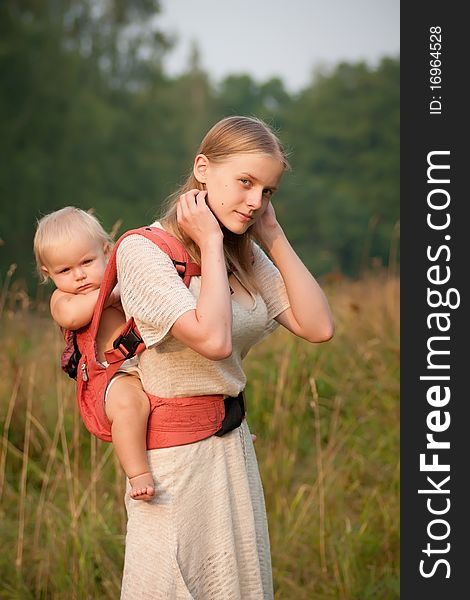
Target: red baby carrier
{"type": "Point", "coordinates": [172, 421]}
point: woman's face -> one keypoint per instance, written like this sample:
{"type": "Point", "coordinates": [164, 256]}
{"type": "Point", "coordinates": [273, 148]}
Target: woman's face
{"type": "Point", "coordinates": [239, 188]}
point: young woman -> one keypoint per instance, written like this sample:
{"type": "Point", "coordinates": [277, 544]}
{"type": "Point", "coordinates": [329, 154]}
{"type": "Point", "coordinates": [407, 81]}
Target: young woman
{"type": "Point", "coordinates": [204, 535]}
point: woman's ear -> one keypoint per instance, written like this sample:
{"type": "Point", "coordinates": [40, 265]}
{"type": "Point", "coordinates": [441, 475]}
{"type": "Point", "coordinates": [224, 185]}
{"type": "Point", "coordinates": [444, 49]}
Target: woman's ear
{"type": "Point", "coordinates": [200, 169]}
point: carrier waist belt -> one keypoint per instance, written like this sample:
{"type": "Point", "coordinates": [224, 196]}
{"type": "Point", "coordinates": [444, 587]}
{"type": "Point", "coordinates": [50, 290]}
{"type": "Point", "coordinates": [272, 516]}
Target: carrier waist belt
{"type": "Point", "coordinates": [178, 421]}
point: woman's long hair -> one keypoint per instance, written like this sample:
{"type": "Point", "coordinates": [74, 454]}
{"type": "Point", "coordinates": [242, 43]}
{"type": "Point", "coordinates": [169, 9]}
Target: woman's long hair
{"type": "Point", "coordinates": [230, 136]}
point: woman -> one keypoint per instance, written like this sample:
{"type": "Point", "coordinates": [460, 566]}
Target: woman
{"type": "Point", "coordinates": [204, 535]}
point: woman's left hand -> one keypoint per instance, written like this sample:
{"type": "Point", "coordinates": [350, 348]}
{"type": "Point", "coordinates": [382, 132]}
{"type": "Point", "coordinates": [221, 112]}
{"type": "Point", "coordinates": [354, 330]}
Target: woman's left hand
{"type": "Point", "coordinates": [267, 228]}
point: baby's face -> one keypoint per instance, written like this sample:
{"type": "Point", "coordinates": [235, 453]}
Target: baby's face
{"type": "Point", "coordinates": [76, 267]}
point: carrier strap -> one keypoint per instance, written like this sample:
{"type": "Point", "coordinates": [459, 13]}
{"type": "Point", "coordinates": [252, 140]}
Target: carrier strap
{"type": "Point", "coordinates": [129, 342]}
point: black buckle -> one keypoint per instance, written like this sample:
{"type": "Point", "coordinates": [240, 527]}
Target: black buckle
{"type": "Point", "coordinates": [130, 341]}
{"type": "Point", "coordinates": [234, 414]}
{"type": "Point", "coordinates": [180, 267]}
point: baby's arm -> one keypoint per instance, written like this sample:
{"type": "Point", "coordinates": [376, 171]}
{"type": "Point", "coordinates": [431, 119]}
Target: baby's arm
{"type": "Point", "coordinates": [72, 311]}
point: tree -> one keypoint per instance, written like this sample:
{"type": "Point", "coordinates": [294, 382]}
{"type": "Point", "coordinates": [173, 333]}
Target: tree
{"type": "Point", "coordinates": [68, 72]}
{"type": "Point", "coordinates": [344, 129]}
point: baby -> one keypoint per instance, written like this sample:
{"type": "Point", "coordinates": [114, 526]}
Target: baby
{"type": "Point", "coordinates": [72, 249]}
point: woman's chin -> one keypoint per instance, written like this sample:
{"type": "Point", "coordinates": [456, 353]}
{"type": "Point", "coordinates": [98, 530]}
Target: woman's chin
{"type": "Point", "coordinates": [238, 228]}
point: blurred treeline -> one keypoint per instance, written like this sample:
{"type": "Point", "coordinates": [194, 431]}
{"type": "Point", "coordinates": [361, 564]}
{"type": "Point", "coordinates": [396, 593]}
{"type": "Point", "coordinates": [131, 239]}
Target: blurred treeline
{"type": "Point", "coordinates": [88, 117]}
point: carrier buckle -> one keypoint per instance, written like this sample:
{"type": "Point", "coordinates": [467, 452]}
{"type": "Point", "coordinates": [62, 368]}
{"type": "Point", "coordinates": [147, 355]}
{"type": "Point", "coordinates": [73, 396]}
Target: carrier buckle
{"type": "Point", "coordinates": [127, 343]}
{"type": "Point", "coordinates": [180, 267]}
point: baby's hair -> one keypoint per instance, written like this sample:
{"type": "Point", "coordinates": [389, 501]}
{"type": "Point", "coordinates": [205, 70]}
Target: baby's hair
{"type": "Point", "coordinates": [62, 225]}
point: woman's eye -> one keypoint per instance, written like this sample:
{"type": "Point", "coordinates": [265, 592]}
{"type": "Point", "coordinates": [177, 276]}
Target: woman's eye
{"type": "Point", "coordinates": [245, 181]}
{"type": "Point", "coordinates": [268, 193]}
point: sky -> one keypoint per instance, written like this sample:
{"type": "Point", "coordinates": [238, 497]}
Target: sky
{"type": "Point", "coordinates": [285, 38]}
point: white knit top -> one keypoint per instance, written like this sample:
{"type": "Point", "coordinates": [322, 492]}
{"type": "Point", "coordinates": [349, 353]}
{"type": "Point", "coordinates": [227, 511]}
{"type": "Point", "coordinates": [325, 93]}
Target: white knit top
{"type": "Point", "coordinates": [154, 294]}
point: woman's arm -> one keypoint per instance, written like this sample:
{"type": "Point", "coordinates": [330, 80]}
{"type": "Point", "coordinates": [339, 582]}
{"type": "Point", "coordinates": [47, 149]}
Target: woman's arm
{"type": "Point", "coordinates": [208, 328]}
{"type": "Point", "coordinates": [309, 315]}
{"type": "Point", "coordinates": [153, 293]}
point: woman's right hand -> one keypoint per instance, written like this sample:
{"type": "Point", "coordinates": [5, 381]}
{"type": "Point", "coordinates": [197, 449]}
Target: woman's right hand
{"type": "Point", "coordinates": [196, 219]}
{"type": "Point", "coordinates": [208, 328]}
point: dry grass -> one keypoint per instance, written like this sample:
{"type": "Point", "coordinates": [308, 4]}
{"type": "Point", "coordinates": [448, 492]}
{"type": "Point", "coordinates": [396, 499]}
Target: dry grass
{"type": "Point", "coordinates": [327, 421]}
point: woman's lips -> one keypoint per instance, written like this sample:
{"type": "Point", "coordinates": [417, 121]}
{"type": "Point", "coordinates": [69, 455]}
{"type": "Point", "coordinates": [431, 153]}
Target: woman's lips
{"type": "Point", "coordinates": [245, 218]}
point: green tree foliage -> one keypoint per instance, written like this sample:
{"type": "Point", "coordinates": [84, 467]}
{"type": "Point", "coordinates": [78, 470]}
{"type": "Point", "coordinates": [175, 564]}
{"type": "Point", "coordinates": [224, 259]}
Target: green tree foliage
{"type": "Point", "coordinates": [88, 117]}
{"type": "Point", "coordinates": [69, 113]}
{"type": "Point", "coordinates": [241, 95]}
{"type": "Point", "coordinates": [344, 131]}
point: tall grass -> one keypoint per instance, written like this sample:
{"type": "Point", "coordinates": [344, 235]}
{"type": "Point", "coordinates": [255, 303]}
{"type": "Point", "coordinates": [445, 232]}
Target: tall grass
{"type": "Point", "coordinates": [326, 417]}
{"type": "Point", "coordinates": [328, 422]}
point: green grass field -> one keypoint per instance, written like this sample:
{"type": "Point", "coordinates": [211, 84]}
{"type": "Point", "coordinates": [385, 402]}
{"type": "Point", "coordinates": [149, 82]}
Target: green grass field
{"type": "Point", "coordinates": [327, 421]}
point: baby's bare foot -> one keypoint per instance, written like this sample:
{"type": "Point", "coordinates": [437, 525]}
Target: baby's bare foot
{"type": "Point", "coordinates": [253, 437]}
{"type": "Point", "coordinates": [143, 487]}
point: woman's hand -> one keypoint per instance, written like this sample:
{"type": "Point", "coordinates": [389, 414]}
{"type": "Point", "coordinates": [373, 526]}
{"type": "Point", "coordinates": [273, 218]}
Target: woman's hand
{"type": "Point", "coordinates": [266, 229]}
{"type": "Point", "coordinates": [208, 328]}
{"type": "Point", "coordinates": [196, 219]}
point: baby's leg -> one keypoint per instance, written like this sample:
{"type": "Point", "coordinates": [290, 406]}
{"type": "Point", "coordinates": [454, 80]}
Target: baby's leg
{"type": "Point", "coordinates": [127, 407]}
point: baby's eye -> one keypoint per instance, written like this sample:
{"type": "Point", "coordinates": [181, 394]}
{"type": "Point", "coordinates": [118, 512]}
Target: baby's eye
{"type": "Point", "coordinates": [87, 261]}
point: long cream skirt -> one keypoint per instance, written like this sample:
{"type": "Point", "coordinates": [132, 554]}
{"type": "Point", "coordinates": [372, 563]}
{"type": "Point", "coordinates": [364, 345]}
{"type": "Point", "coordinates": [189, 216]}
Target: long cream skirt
{"type": "Point", "coordinates": [205, 535]}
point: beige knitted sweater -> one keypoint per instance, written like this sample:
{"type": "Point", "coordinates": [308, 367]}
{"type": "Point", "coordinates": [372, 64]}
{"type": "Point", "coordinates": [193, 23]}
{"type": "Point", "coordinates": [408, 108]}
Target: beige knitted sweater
{"type": "Point", "coordinates": [153, 293]}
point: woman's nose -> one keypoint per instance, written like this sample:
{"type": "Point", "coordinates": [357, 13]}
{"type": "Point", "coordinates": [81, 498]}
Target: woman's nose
{"type": "Point", "coordinates": [255, 199]}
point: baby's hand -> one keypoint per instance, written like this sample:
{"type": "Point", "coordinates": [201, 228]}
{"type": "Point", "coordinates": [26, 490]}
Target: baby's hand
{"type": "Point", "coordinates": [253, 437]}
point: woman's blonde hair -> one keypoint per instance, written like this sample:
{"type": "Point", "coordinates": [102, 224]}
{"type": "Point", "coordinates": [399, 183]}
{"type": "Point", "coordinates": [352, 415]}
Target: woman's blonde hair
{"type": "Point", "coordinates": [61, 226]}
{"type": "Point", "coordinates": [230, 136]}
